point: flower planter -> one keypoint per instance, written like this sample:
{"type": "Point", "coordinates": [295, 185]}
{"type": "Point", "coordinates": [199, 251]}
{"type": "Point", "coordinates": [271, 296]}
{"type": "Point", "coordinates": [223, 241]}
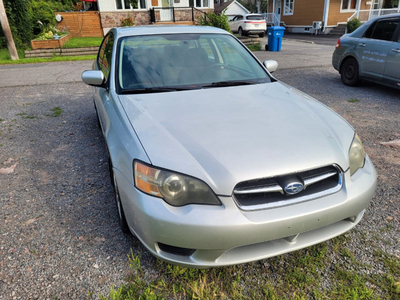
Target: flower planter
{"type": "Point", "coordinates": [50, 44]}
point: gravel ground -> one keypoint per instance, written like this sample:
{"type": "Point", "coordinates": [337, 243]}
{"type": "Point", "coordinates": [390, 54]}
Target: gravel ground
{"type": "Point", "coordinates": [58, 225]}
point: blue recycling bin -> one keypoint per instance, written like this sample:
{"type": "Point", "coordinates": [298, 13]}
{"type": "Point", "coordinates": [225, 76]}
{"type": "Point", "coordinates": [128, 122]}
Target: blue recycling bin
{"type": "Point", "coordinates": [275, 34]}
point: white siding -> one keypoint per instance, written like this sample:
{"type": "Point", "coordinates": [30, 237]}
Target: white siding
{"type": "Point", "coordinates": [109, 5]}
{"type": "Point", "coordinates": [235, 9]}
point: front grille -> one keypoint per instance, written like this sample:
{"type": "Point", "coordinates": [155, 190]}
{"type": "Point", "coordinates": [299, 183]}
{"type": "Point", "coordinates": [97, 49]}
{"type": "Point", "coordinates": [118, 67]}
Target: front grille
{"type": "Point", "coordinates": [284, 190]}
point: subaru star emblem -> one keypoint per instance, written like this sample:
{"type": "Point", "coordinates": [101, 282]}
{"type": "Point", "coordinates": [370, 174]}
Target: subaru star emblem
{"type": "Point", "coordinates": [294, 188]}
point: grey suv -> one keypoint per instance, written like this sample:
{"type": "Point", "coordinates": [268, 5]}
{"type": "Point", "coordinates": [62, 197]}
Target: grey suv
{"type": "Point", "coordinates": [372, 52]}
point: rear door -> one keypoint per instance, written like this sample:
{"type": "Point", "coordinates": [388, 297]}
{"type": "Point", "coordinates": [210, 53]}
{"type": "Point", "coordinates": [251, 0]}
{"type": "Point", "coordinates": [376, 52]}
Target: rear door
{"type": "Point", "coordinates": [232, 24]}
{"type": "Point", "coordinates": [392, 67]}
{"type": "Point", "coordinates": [373, 48]}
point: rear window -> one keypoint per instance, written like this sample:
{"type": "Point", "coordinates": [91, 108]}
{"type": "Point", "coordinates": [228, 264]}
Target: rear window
{"type": "Point", "coordinates": [255, 17]}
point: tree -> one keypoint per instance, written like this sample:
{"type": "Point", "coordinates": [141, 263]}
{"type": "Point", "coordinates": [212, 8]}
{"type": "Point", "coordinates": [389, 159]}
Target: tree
{"type": "Point", "coordinates": [7, 32]}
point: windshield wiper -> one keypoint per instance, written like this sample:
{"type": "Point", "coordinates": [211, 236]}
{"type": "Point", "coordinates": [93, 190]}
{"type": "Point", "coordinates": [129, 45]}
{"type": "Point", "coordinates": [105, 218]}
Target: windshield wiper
{"type": "Point", "coordinates": [228, 83]}
{"type": "Point", "coordinates": [153, 90]}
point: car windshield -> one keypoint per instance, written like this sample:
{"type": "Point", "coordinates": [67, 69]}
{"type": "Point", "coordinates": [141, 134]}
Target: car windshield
{"type": "Point", "coordinates": [255, 17]}
{"type": "Point", "coordinates": [161, 63]}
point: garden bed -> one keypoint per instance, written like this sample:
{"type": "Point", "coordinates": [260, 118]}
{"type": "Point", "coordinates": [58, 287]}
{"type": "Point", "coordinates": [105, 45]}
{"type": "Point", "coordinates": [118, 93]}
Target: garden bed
{"type": "Point", "coordinates": [50, 44]}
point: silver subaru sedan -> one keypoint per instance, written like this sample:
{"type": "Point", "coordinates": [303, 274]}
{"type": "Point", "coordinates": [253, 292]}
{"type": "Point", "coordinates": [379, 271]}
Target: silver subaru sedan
{"type": "Point", "coordinates": [372, 52]}
{"type": "Point", "coordinates": [214, 161]}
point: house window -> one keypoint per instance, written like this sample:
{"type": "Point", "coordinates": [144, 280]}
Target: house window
{"type": "Point", "coordinates": [201, 3]}
{"type": "Point", "coordinates": [125, 4]}
{"type": "Point", "coordinates": [349, 4]}
{"type": "Point", "coordinates": [289, 7]}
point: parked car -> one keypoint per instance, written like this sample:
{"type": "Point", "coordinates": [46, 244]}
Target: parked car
{"type": "Point", "coordinates": [214, 161]}
{"type": "Point", "coordinates": [372, 52]}
{"type": "Point", "coordinates": [248, 24]}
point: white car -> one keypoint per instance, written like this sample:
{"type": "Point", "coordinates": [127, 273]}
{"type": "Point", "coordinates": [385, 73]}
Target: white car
{"type": "Point", "coordinates": [248, 24]}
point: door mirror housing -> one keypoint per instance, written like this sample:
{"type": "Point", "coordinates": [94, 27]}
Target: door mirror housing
{"type": "Point", "coordinates": [94, 78]}
{"type": "Point", "coordinates": [271, 65]}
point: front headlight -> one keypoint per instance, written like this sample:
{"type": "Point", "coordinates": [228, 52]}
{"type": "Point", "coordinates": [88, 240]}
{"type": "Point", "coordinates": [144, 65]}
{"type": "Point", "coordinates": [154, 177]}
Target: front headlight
{"type": "Point", "coordinates": [356, 155]}
{"type": "Point", "coordinates": [176, 189]}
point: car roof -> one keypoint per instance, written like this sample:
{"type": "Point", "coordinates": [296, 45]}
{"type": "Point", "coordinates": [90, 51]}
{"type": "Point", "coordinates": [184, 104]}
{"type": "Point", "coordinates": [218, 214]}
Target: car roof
{"type": "Point", "coordinates": [164, 29]}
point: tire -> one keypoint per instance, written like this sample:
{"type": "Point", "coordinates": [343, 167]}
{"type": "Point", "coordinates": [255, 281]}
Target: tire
{"type": "Point", "coordinates": [121, 215]}
{"type": "Point", "coordinates": [97, 115]}
{"type": "Point", "coordinates": [261, 35]}
{"type": "Point", "coordinates": [266, 47]}
{"type": "Point", "coordinates": [241, 32]}
{"type": "Point", "coordinates": [350, 73]}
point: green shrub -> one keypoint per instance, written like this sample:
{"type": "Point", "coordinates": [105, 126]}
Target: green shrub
{"type": "Point", "coordinates": [353, 25]}
{"type": "Point", "coordinates": [19, 17]}
{"type": "Point", "coordinates": [211, 19]}
{"type": "Point", "coordinates": [42, 16]}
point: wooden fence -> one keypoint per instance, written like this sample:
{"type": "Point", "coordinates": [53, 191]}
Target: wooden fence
{"type": "Point", "coordinates": [81, 24]}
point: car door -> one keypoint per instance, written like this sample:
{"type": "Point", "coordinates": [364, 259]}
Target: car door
{"type": "Point", "coordinates": [102, 97]}
{"type": "Point", "coordinates": [392, 67]}
{"type": "Point", "coordinates": [232, 24]}
{"type": "Point", "coordinates": [373, 47]}
{"type": "Point", "coordinates": [236, 23]}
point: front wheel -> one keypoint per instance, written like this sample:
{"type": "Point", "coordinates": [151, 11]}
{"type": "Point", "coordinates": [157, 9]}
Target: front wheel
{"type": "Point", "coordinates": [241, 32]}
{"type": "Point", "coordinates": [350, 73]}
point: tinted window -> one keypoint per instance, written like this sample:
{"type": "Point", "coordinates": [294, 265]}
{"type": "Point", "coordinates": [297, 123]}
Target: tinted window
{"type": "Point", "coordinates": [254, 18]}
{"type": "Point", "coordinates": [370, 31]}
{"type": "Point", "coordinates": [384, 30]}
{"type": "Point", "coordinates": [105, 53]}
{"type": "Point", "coordinates": [184, 60]}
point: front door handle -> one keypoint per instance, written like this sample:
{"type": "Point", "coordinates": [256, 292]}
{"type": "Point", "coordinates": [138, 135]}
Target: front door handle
{"type": "Point", "coordinates": [361, 44]}
{"type": "Point", "coordinates": [396, 50]}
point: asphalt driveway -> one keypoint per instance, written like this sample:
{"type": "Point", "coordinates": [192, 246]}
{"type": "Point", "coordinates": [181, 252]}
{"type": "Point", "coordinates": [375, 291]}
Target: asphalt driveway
{"type": "Point", "coordinates": [58, 227]}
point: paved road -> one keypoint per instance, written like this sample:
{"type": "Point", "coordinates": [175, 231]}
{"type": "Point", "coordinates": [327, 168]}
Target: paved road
{"type": "Point", "coordinates": [59, 236]}
{"type": "Point", "coordinates": [321, 39]}
{"type": "Point", "coordinates": [294, 55]}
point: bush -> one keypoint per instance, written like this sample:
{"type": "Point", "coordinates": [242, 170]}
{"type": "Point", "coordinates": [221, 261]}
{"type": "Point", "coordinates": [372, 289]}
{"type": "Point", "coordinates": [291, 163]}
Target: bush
{"type": "Point", "coordinates": [211, 19]}
{"type": "Point", "coordinates": [353, 25]}
{"type": "Point", "coordinates": [19, 17]}
{"type": "Point", "coordinates": [42, 16]}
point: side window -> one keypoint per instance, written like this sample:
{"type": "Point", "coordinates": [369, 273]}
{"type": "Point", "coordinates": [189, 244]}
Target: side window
{"type": "Point", "coordinates": [370, 31]}
{"type": "Point", "coordinates": [232, 57]}
{"type": "Point", "coordinates": [105, 54]}
{"type": "Point", "coordinates": [205, 44]}
{"type": "Point", "coordinates": [384, 30]}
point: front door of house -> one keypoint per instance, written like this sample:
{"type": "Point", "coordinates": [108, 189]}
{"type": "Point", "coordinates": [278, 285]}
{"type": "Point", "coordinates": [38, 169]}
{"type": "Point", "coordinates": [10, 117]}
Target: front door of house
{"type": "Point", "coordinates": [278, 10]}
{"type": "Point", "coordinates": [166, 13]}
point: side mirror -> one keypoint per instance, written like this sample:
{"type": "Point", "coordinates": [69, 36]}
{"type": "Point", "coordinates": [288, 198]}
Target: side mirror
{"type": "Point", "coordinates": [93, 78]}
{"type": "Point", "coordinates": [271, 65]}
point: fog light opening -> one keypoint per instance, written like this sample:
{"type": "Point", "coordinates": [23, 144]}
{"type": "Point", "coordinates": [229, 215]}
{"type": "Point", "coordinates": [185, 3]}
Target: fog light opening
{"type": "Point", "coordinates": [176, 250]}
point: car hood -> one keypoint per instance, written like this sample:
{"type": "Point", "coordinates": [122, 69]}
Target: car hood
{"type": "Point", "coordinates": [227, 135]}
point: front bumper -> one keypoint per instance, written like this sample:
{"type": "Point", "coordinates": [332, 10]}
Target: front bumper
{"type": "Point", "coordinates": [225, 235]}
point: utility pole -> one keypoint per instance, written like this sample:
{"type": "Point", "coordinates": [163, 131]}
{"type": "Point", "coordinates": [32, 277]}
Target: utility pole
{"type": "Point", "coordinates": [7, 32]}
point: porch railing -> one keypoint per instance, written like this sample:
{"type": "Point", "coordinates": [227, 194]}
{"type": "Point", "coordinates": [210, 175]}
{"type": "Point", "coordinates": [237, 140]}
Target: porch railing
{"type": "Point", "coordinates": [366, 15]}
{"type": "Point", "coordinates": [271, 18]}
{"type": "Point", "coordinates": [174, 14]}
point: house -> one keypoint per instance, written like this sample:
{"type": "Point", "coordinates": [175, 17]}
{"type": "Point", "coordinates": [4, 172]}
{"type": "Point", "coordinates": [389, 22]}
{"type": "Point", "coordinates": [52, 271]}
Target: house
{"type": "Point", "coordinates": [152, 11]}
{"type": "Point", "coordinates": [230, 8]}
{"type": "Point", "coordinates": [299, 15]}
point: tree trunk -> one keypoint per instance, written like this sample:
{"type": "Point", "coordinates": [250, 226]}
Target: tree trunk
{"type": "Point", "coordinates": [7, 32]}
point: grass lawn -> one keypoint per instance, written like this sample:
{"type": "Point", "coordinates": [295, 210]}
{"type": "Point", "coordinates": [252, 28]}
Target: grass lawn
{"type": "Point", "coordinates": [77, 42]}
{"type": "Point", "coordinates": [5, 58]}
{"type": "Point", "coordinates": [325, 271]}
